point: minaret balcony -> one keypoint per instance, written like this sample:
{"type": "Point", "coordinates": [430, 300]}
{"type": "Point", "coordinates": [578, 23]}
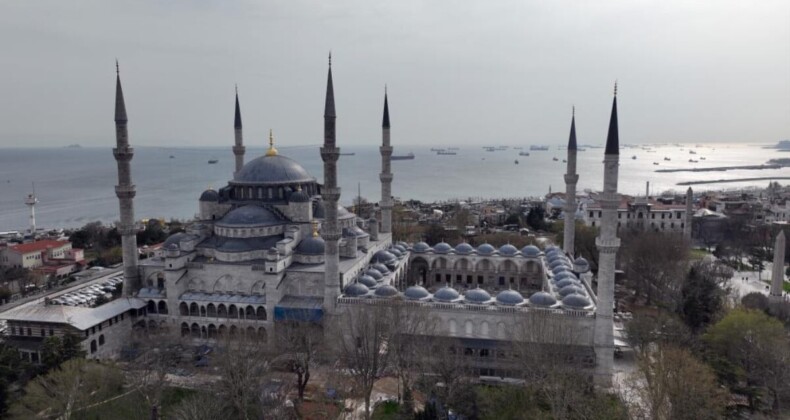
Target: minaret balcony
{"type": "Point", "coordinates": [386, 151]}
{"type": "Point", "coordinates": [571, 178]}
{"type": "Point", "coordinates": [330, 154]}
{"type": "Point", "coordinates": [239, 149]}
{"type": "Point", "coordinates": [123, 154]}
{"type": "Point", "coordinates": [125, 191]}
{"type": "Point", "coordinates": [385, 177]}
{"type": "Point", "coordinates": [607, 245]}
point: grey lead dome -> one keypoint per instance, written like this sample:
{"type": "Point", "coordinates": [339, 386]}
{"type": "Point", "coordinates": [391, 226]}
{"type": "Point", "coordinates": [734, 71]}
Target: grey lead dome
{"type": "Point", "coordinates": [276, 169]}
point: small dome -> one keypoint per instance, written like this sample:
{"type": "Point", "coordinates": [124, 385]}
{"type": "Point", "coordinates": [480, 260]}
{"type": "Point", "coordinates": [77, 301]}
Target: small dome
{"type": "Point", "coordinates": [530, 251]}
{"type": "Point", "coordinates": [574, 301]}
{"type": "Point", "coordinates": [175, 239]}
{"type": "Point", "coordinates": [446, 294]}
{"type": "Point", "coordinates": [442, 248]}
{"type": "Point", "coordinates": [172, 247]}
{"type": "Point", "coordinates": [567, 282]}
{"type": "Point", "coordinates": [299, 196]}
{"type": "Point", "coordinates": [249, 215]}
{"type": "Point", "coordinates": [356, 290]}
{"type": "Point", "coordinates": [508, 250]}
{"type": "Point", "coordinates": [485, 249]}
{"type": "Point", "coordinates": [509, 297]}
{"type": "Point", "coordinates": [581, 265]}
{"type": "Point", "coordinates": [420, 247]}
{"type": "Point", "coordinates": [402, 244]}
{"type": "Point", "coordinates": [560, 269]}
{"type": "Point", "coordinates": [372, 272]}
{"type": "Point", "coordinates": [570, 290]}
{"type": "Point", "coordinates": [386, 291]}
{"type": "Point", "coordinates": [209, 195]}
{"type": "Point", "coordinates": [464, 248]}
{"type": "Point", "coordinates": [552, 251]}
{"type": "Point", "coordinates": [383, 257]}
{"type": "Point", "coordinates": [353, 232]}
{"type": "Point", "coordinates": [542, 299]}
{"type": "Point", "coordinates": [381, 268]}
{"type": "Point", "coordinates": [564, 275]}
{"type": "Point", "coordinates": [396, 252]}
{"type": "Point", "coordinates": [477, 296]}
{"type": "Point", "coordinates": [558, 262]}
{"type": "Point", "coordinates": [400, 248]}
{"type": "Point", "coordinates": [416, 293]}
{"type": "Point", "coordinates": [313, 245]}
{"type": "Point", "coordinates": [368, 281]}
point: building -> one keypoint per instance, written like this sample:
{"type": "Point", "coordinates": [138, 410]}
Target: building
{"type": "Point", "coordinates": [640, 213]}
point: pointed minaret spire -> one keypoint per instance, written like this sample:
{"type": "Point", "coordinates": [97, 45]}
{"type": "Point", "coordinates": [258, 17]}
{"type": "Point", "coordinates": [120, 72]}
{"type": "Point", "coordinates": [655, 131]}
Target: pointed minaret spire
{"type": "Point", "coordinates": [238, 147]}
{"type": "Point", "coordinates": [571, 178]}
{"type": "Point", "coordinates": [386, 173]}
{"type": "Point", "coordinates": [125, 191]}
{"type": "Point", "coordinates": [330, 193]}
{"type": "Point", "coordinates": [613, 138]}
{"type": "Point", "coordinates": [120, 105]}
{"type": "Point", "coordinates": [329, 107]}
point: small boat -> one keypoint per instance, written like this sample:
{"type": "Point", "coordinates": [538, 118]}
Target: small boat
{"type": "Point", "coordinates": [693, 161]}
{"type": "Point", "coordinates": [564, 161]}
{"type": "Point", "coordinates": [555, 159]}
{"type": "Point", "coordinates": [534, 147]}
{"type": "Point", "coordinates": [655, 163]}
{"type": "Point", "coordinates": [446, 153]}
{"type": "Point", "coordinates": [348, 154]}
{"type": "Point", "coordinates": [702, 157]}
{"type": "Point", "coordinates": [436, 150]}
{"type": "Point", "coordinates": [667, 159]}
{"type": "Point", "coordinates": [453, 148]}
{"type": "Point", "coordinates": [409, 156]}
{"type": "Point", "coordinates": [523, 153]}
{"type": "Point", "coordinates": [172, 157]}
{"type": "Point", "coordinates": [212, 161]}
{"type": "Point", "coordinates": [581, 150]}
{"type": "Point", "coordinates": [633, 157]}
{"type": "Point", "coordinates": [516, 161]}
{"type": "Point", "coordinates": [691, 152]}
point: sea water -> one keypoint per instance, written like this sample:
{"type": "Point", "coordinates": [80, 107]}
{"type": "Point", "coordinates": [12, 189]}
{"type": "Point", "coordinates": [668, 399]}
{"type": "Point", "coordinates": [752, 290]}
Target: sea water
{"type": "Point", "coordinates": [76, 185]}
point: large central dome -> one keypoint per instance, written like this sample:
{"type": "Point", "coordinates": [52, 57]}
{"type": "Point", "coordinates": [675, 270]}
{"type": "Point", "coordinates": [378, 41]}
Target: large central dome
{"type": "Point", "coordinates": [276, 169]}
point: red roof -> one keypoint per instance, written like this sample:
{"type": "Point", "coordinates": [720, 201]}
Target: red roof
{"type": "Point", "coordinates": [38, 246]}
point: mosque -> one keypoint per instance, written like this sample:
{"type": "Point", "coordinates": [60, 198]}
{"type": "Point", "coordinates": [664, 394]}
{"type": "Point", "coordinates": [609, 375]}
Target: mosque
{"type": "Point", "coordinates": [274, 245]}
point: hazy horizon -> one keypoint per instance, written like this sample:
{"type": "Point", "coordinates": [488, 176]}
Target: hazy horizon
{"type": "Point", "coordinates": [459, 73]}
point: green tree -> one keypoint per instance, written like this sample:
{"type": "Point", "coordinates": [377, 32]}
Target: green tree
{"type": "Point", "coordinates": [751, 352]}
{"type": "Point", "coordinates": [536, 218]}
{"type": "Point", "coordinates": [12, 368]}
{"type": "Point", "coordinates": [56, 350]}
{"type": "Point", "coordinates": [702, 295]}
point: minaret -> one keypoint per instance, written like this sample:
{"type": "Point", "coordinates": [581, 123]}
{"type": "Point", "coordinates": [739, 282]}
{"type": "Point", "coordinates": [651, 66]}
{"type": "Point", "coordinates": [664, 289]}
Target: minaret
{"type": "Point", "coordinates": [778, 270]}
{"type": "Point", "coordinates": [571, 177]}
{"type": "Point", "coordinates": [125, 191]}
{"type": "Point", "coordinates": [330, 194]}
{"type": "Point", "coordinates": [689, 214]}
{"type": "Point", "coordinates": [31, 202]}
{"type": "Point", "coordinates": [607, 244]}
{"type": "Point", "coordinates": [238, 148]}
{"type": "Point", "coordinates": [386, 175]}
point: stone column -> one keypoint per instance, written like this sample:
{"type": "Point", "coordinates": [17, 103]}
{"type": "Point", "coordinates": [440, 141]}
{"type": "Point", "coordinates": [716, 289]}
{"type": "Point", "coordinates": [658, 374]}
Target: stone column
{"type": "Point", "coordinates": [689, 214]}
{"type": "Point", "coordinates": [386, 173]}
{"type": "Point", "coordinates": [571, 178]}
{"type": "Point", "coordinates": [331, 194]}
{"type": "Point", "coordinates": [778, 271]}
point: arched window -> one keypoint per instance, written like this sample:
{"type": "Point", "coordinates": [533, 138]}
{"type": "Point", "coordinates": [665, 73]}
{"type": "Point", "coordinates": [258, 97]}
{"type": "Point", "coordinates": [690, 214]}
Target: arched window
{"type": "Point", "coordinates": [468, 327]}
{"type": "Point", "coordinates": [211, 310]}
{"type": "Point", "coordinates": [160, 280]}
{"type": "Point", "coordinates": [212, 331]}
{"type": "Point", "coordinates": [184, 329]}
{"type": "Point", "coordinates": [221, 311]}
{"type": "Point", "coordinates": [183, 309]}
{"type": "Point", "coordinates": [162, 307]}
{"type": "Point", "coordinates": [233, 330]}
{"type": "Point", "coordinates": [261, 313]}
{"type": "Point", "coordinates": [193, 309]}
{"type": "Point", "coordinates": [151, 307]}
{"type": "Point", "coordinates": [93, 346]}
{"type": "Point", "coordinates": [222, 330]}
{"type": "Point", "coordinates": [232, 312]}
{"type": "Point", "coordinates": [250, 312]}
{"type": "Point", "coordinates": [262, 334]}
{"type": "Point", "coordinates": [202, 311]}
{"type": "Point", "coordinates": [250, 332]}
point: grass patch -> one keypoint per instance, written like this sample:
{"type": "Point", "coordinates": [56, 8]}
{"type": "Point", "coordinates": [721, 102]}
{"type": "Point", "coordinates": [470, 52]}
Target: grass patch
{"type": "Point", "coordinates": [133, 406]}
{"type": "Point", "coordinates": [388, 410]}
{"type": "Point", "coordinates": [697, 254]}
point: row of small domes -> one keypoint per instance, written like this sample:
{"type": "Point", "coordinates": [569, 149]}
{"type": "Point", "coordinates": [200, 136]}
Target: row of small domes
{"type": "Point", "coordinates": [484, 249]}
{"type": "Point", "coordinates": [474, 296]}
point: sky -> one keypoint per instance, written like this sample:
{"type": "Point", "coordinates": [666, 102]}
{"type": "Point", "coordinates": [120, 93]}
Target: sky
{"type": "Point", "coordinates": [503, 72]}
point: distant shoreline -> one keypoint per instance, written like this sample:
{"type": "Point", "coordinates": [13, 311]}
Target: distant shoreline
{"type": "Point", "coordinates": [724, 168]}
{"type": "Point", "coordinates": [724, 181]}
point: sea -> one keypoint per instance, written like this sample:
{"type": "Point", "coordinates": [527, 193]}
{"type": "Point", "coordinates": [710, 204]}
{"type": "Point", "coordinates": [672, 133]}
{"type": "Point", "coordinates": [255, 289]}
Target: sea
{"type": "Point", "coordinates": [75, 186]}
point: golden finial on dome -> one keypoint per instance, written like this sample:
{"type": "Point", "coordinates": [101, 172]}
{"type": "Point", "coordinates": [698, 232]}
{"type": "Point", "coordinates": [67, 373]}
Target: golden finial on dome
{"type": "Point", "coordinates": [315, 228]}
{"type": "Point", "coordinates": [272, 151]}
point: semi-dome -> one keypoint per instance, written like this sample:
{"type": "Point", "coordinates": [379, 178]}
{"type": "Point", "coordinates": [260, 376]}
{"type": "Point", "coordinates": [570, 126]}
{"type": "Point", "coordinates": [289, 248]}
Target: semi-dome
{"type": "Point", "coordinates": [442, 248]}
{"type": "Point", "coordinates": [580, 265]}
{"type": "Point", "coordinates": [386, 291]}
{"type": "Point", "coordinates": [420, 247]}
{"type": "Point", "coordinates": [570, 290]}
{"type": "Point", "coordinates": [542, 299]}
{"type": "Point", "coordinates": [485, 249]}
{"type": "Point", "coordinates": [530, 251]}
{"type": "Point", "coordinates": [381, 268]}
{"type": "Point", "coordinates": [508, 250]}
{"type": "Point", "coordinates": [574, 301]}
{"type": "Point", "coordinates": [368, 281]}
{"type": "Point", "coordinates": [276, 169]}
{"type": "Point", "coordinates": [464, 248]}
{"type": "Point", "coordinates": [313, 245]}
{"type": "Point", "coordinates": [175, 239]}
{"type": "Point", "coordinates": [353, 232]}
{"type": "Point", "coordinates": [372, 272]}
{"type": "Point", "coordinates": [249, 215]}
{"type": "Point", "coordinates": [416, 293]}
{"type": "Point", "coordinates": [356, 290]}
{"type": "Point", "coordinates": [383, 257]}
{"type": "Point", "coordinates": [509, 297]}
{"type": "Point", "coordinates": [298, 196]}
{"type": "Point", "coordinates": [446, 294]}
{"type": "Point", "coordinates": [209, 195]}
{"type": "Point", "coordinates": [477, 296]}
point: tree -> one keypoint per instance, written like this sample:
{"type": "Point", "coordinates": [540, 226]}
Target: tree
{"type": "Point", "coordinates": [63, 393]}
{"type": "Point", "coordinates": [299, 343]}
{"type": "Point", "coordinates": [749, 347]}
{"type": "Point", "coordinates": [242, 365]}
{"type": "Point", "coordinates": [702, 294]}
{"type": "Point", "coordinates": [407, 344]}
{"type": "Point", "coordinates": [56, 350]}
{"type": "Point", "coordinates": [655, 266]}
{"type": "Point", "coordinates": [755, 300]}
{"type": "Point", "coordinates": [12, 368]}
{"type": "Point", "coordinates": [672, 384]}
{"type": "Point", "coordinates": [536, 218]}
{"type": "Point", "coordinates": [201, 406]}
{"type": "Point", "coordinates": [160, 353]}
{"type": "Point", "coordinates": [646, 330]}
{"type": "Point", "coordinates": [365, 332]}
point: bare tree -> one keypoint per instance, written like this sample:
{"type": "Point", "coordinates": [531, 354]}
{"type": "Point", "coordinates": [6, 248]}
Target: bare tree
{"type": "Point", "coordinates": [655, 266]}
{"type": "Point", "coordinates": [450, 361]}
{"type": "Point", "coordinates": [366, 333]}
{"type": "Point", "coordinates": [242, 365]}
{"type": "Point", "coordinates": [201, 406]}
{"type": "Point", "coordinates": [411, 325]}
{"type": "Point", "coordinates": [160, 354]}
{"type": "Point", "coordinates": [299, 344]}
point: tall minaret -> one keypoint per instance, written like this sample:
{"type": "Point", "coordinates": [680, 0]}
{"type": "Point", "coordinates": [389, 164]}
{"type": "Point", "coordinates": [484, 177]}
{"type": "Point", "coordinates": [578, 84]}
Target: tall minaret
{"type": "Point", "coordinates": [386, 175]}
{"type": "Point", "coordinates": [778, 270]}
{"type": "Point", "coordinates": [571, 177]}
{"type": "Point", "coordinates": [607, 244]}
{"type": "Point", "coordinates": [330, 194]}
{"type": "Point", "coordinates": [125, 191]}
{"type": "Point", "coordinates": [689, 214]}
{"type": "Point", "coordinates": [238, 148]}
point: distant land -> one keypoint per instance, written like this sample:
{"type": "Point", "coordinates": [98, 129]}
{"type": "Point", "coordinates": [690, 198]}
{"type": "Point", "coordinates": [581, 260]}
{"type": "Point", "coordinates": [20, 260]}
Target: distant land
{"type": "Point", "coordinates": [782, 145]}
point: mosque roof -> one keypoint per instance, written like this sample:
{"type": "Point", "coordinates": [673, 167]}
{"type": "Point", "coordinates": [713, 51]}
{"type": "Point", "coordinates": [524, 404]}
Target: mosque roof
{"type": "Point", "coordinates": [442, 248]}
{"type": "Point", "coordinates": [575, 301]}
{"type": "Point", "coordinates": [485, 249]}
{"type": "Point", "coordinates": [367, 280]}
{"type": "Point", "coordinates": [240, 244]}
{"type": "Point", "coordinates": [249, 215]}
{"type": "Point", "coordinates": [272, 169]}
{"type": "Point", "coordinates": [446, 294]}
{"type": "Point", "coordinates": [464, 248]}
{"type": "Point", "coordinates": [420, 247]}
{"type": "Point", "coordinates": [530, 251]}
{"type": "Point", "coordinates": [542, 299]}
{"type": "Point", "coordinates": [508, 250]}
{"type": "Point", "coordinates": [356, 289]}
{"type": "Point", "coordinates": [298, 196]}
{"type": "Point", "coordinates": [416, 293]}
{"type": "Point", "coordinates": [381, 267]}
{"type": "Point", "coordinates": [478, 296]}
{"type": "Point", "coordinates": [209, 195]}
{"type": "Point", "coordinates": [386, 291]}
{"type": "Point", "coordinates": [509, 297]}
{"type": "Point", "coordinates": [384, 257]}
{"type": "Point", "coordinates": [376, 274]}
{"type": "Point", "coordinates": [313, 245]}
